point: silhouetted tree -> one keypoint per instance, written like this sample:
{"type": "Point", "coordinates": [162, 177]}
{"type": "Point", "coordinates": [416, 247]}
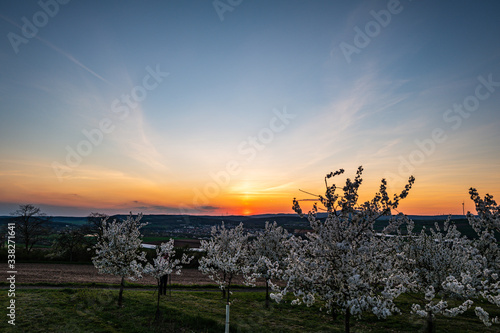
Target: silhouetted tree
{"type": "Point", "coordinates": [3, 235]}
{"type": "Point", "coordinates": [31, 224]}
{"type": "Point", "coordinates": [70, 242]}
{"type": "Point", "coordinates": [94, 224]}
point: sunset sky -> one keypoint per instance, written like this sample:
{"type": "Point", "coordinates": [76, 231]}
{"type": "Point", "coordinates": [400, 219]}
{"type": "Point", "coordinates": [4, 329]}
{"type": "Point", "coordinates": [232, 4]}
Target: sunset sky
{"type": "Point", "coordinates": [231, 107]}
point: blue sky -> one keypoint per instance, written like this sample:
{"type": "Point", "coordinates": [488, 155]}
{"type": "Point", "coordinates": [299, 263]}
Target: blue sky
{"type": "Point", "coordinates": [227, 81]}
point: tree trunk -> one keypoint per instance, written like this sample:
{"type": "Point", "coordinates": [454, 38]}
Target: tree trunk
{"type": "Point", "coordinates": [347, 320]}
{"type": "Point", "coordinates": [267, 293]}
{"type": "Point", "coordinates": [120, 295]}
{"type": "Point", "coordinates": [430, 323]}
{"type": "Point", "coordinates": [169, 284]}
{"type": "Point", "coordinates": [157, 315]}
{"type": "Point", "coordinates": [334, 314]}
{"type": "Point", "coordinates": [224, 289]}
{"type": "Point", "coordinates": [25, 234]}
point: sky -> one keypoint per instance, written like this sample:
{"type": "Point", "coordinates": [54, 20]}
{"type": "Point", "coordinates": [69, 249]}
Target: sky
{"type": "Point", "coordinates": [235, 106]}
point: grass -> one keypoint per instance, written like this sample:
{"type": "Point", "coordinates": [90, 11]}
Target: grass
{"type": "Point", "coordinates": [95, 310]}
{"type": "Point", "coordinates": [152, 239]}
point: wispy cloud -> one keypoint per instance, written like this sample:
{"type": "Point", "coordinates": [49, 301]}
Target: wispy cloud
{"type": "Point", "coordinates": [60, 51]}
{"type": "Point", "coordinates": [386, 149]}
{"type": "Point", "coordinates": [73, 59]}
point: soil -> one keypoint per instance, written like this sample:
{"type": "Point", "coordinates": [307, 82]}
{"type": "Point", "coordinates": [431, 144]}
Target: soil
{"type": "Point", "coordinates": [63, 273]}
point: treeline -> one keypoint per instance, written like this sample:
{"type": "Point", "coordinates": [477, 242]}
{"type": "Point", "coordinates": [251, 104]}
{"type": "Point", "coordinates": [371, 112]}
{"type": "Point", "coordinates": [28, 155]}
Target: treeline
{"type": "Point", "coordinates": [39, 240]}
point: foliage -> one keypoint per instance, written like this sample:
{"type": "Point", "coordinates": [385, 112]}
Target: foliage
{"type": "Point", "coordinates": [4, 232]}
{"type": "Point", "coordinates": [94, 225]}
{"type": "Point", "coordinates": [71, 244]}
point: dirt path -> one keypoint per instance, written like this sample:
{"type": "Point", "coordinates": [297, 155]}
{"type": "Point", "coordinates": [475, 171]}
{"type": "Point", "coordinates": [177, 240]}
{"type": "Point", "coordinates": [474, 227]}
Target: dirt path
{"type": "Point", "coordinates": [63, 273]}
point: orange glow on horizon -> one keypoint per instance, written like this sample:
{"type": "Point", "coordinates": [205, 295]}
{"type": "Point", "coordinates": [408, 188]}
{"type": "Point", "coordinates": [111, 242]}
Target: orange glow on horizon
{"type": "Point", "coordinates": [116, 192]}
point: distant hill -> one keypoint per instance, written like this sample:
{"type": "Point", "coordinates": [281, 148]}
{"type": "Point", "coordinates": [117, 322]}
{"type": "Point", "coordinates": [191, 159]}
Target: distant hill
{"type": "Point", "coordinates": [159, 224]}
{"type": "Point", "coordinates": [249, 220]}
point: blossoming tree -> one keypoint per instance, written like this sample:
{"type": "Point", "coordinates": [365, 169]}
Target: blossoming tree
{"type": "Point", "coordinates": [118, 250]}
{"type": "Point", "coordinates": [440, 264]}
{"type": "Point", "coordinates": [344, 263]}
{"type": "Point", "coordinates": [225, 256]}
{"type": "Point", "coordinates": [267, 253]}
{"type": "Point", "coordinates": [487, 226]}
{"type": "Point", "coordinates": [165, 264]}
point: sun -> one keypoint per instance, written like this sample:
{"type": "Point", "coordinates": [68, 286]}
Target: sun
{"type": "Point", "coordinates": [247, 212]}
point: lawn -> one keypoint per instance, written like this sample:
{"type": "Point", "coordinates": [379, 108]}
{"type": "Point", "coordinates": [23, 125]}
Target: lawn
{"type": "Point", "coordinates": [95, 310]}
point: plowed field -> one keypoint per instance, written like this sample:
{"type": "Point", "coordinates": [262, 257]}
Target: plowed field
{"type": "Point", "coordinates": [61, 273]}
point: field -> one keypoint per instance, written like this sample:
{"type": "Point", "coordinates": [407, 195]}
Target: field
{"type": "Point", "coordinates": [65, 297]}
{"type": "Point", "coordinates": [66, 274]}
{"type": "Point", "coordinates": [79, 309]}
{"type": "Point", "coordinates": [95, 310]}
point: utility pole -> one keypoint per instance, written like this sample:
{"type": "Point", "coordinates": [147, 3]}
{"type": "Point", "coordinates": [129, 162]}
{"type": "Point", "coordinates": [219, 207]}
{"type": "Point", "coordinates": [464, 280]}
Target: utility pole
{"type": "Point", "coordinates": [463, 208]}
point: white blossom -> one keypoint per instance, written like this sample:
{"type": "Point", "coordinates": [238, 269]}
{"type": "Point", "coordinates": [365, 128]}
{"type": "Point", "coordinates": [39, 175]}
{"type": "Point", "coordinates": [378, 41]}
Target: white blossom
{"type": "Point", "coordinates": [118, 250]}
{"type": "Point", "coordinates": [441, 264]}
{"type": "Point", "coordinates": [266, 255]}
{"type": "Point", "coordinates": [164, 263]}
{"type": "Point", "coordinates": [486, 224]}
{"type": "Point", "coordinates": [485, 317]}
{"type": "Point", "coordinates": [226, 255]}
{"type": "Point", "coordinates": [343, 263]}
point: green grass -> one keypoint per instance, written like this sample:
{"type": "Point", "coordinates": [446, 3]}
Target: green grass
{"type": "Point", "coordinates": [95, 310]}
{"type": "Point", "coordinates": [152, 239]}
